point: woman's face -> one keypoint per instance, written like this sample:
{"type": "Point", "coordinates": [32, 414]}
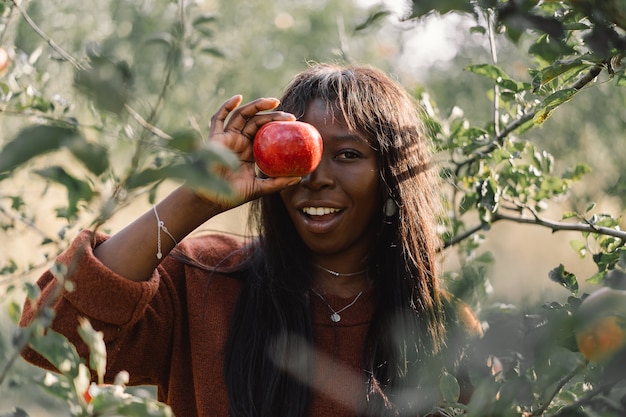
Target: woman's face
{"type": "Point", "coordinates": [335, 208]}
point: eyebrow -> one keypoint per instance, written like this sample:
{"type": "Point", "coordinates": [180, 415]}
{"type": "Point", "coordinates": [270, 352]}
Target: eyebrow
{"type": "Point", "coordinates": [350, 137]}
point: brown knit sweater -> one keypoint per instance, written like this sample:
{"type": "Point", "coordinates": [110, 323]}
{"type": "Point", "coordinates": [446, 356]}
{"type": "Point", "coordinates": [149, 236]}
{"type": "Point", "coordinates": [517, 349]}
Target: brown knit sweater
{"type": "Point", "coordinates": [170, 330]}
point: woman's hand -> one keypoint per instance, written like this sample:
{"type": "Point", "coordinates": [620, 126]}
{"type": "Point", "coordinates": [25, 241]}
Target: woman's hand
{"type": "Point", "coordinates": [132, 251]}
{"type": "Point", "coordinates": [237, 134]}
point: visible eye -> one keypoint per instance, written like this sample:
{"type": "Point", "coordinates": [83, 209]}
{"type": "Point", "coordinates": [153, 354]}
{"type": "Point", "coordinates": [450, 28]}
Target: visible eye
{"type": "Point", "coordinates": [348, 154]}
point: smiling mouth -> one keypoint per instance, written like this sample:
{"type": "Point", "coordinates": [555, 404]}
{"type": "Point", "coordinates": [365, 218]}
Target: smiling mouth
{"type": "Point", "coordinates": [319, 211]}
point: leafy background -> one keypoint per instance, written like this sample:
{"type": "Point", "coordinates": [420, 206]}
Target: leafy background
{"type": "Point", "coordinates": [103, 103]}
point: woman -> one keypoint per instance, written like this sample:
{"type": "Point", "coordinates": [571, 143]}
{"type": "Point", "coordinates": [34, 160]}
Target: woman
{"type": "Point", "coordinates": [333, 309]}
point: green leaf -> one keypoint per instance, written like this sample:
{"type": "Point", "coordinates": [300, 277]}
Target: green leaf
{"type": "Point", "coordinates": [577, 172]}
{"type": "Point", "coordinates": [97, 348]}
{"type": "Point", "coordinates": [32, 291]}
{"type": "Point", "coordinates": [56, 386]}
{"type": "Point", "coordinates": [194, 174]}
{"type": "Point", "coordinates": [564, 278]}
{"type": "Point", "coordinates": [15, 311]}
{"type": "Point", "coordinates": [37, 140]}
{"type": "Point", "coordinates": [558, 68]}
{"type": "Point", "coordinates": [213, 51]}
{"type": "Point", "coordinates": [107, 83]}
{"type": "Point", "coordinates": [144, 408]}
{"type": "Point", "coordinates": [449, 387]}
{"type": "Point", "coordinates": [186, 141]}
{"type": "Point", "coordinates": [543, 160]}
{"type": "Point", "coordinates": [424, 7]}
{"type": "Point", "coordinates": [569, 215]}
{"type": "Point", "coordinates": [596, 278]}
{"type": "Point", "coordinates": [551, 102]}
{"type": "Point", "coordinates": [549, 49]}
{"type": "Point", "coordinates": [500, 154]}
{"type": "Point", "coordinates": [77, 190]}
{"type": "Point", "coordinates": [4, 88]}
{"type": "Point", "coordinates": [478, 29]}
{"type": "Point", "coordinates": [489, 195]}
{"type": "Point", "coordinates": [150, 175]}
{"type": "Point", "coordinates": [34, 141]}
{"type": "Point", "coordinates": [579, 247]}
{"type": "Point", "coordinates": [9, 268]}
{"type": "Point", "coordinates": [520, 21]}
{"type": "Point", "coordinates": [490, 71]}
{"type": "Point", "coordinates": [58, 351]}
{"type": "Point", "coordinates": [550, 187]}
{"type": "Point", "coordinates": [372, 18]}
{"type": "Point", "coordinates": [198, 171]}
{"type": "Point", "coordinates": [510, 85]}
{"type": "Point", "coordinates": [468, 202]}
{"type": "Point", "coordinates": [93, 156]}
{"type": "Point", "coordinates": [207, 18]}
{"type": "Point", "coordinates": [164, 38]}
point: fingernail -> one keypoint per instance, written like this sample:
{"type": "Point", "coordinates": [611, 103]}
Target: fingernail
{"type": "Point", "coordinates": [294, 182]}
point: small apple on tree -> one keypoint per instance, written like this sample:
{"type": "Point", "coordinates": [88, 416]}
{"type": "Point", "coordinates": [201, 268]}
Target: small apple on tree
{"type": "Point", "coordinates": [287, 149]}
{"type": "Point", "coordinates": [601, 324]}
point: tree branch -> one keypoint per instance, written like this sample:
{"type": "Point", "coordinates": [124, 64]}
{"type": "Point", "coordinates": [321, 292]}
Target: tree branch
{"type": "Point", "coordinates": [562, 226]}
{"type": "Point", "coordinates": [26, 222]}
{"type": "Point", "coordinates": [494, 59]}
{"type": "Point", "coordinates": [557, 389]}
{"type": "Point", "coordinates": [555, 226]}
{"type": "Point", "coordinates": [459, 238]}
{"type": "Point", "coordinates": [69, 58]}
{"type": "Point", "coordinates": [158, 132]}
{"type": "Point", "coordinates": [499, 139]}
{"type": "Point", "coordinates": [588, 77]}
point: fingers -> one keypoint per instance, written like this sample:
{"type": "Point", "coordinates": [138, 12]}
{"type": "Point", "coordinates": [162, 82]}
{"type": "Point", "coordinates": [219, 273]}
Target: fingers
{"type": "Point", "coordinates": [258, 188]}
{"type": "Point", "coordinates": [272, 185]}
{"type": "Point", "coordinates": [234, 125]}
{"type": "Point", "coordinates": [219, 118]}
{"type": "Point", "coordinates": [248, 118]}
{"type": "Point", "coordinates": [252, 126]}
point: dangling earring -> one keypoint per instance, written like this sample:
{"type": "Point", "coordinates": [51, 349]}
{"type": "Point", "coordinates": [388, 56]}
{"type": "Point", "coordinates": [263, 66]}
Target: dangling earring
{"type": "Point", "coordinates": [390, 208]}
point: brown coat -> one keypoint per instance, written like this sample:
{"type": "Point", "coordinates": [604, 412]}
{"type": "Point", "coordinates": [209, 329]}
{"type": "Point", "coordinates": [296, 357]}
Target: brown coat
{"type": "Point", "coordinates": [170, 330]}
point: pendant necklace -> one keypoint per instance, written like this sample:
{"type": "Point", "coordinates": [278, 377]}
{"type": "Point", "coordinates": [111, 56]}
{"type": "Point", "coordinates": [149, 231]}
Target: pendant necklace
{"type": "Point", "coordinates": [335, 317]}
{"type": "Point", "coordinates": [339, 274]}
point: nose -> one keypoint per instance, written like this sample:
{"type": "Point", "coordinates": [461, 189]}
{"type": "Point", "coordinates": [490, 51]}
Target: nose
{"type": "Point", "coordinates": [321, 177]}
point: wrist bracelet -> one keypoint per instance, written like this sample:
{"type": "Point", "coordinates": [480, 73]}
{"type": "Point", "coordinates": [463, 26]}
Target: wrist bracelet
{"type": "Point", "coordinates": [161, 226]}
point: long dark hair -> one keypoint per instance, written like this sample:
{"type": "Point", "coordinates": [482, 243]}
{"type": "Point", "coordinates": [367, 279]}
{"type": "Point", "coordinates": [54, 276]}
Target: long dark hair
{"type": "Point", "coordinates": [408, 328]}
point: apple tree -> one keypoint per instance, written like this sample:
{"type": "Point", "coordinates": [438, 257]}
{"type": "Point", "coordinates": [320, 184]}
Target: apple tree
{"type": "Point", "coordinates": [496, 172]}
{"type": "Point", "coordinates": [98, 116]}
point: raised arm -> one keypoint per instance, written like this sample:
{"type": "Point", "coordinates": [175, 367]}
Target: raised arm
{"type": "Point", "coordinates": [132, 252]}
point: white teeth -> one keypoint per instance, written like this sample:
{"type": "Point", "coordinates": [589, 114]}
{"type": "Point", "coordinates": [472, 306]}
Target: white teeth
{"type": "Point", "coordinates": [319, 211]}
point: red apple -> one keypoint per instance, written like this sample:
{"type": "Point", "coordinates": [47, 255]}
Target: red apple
{"type": "Point", "coordinates": [287, 149]}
